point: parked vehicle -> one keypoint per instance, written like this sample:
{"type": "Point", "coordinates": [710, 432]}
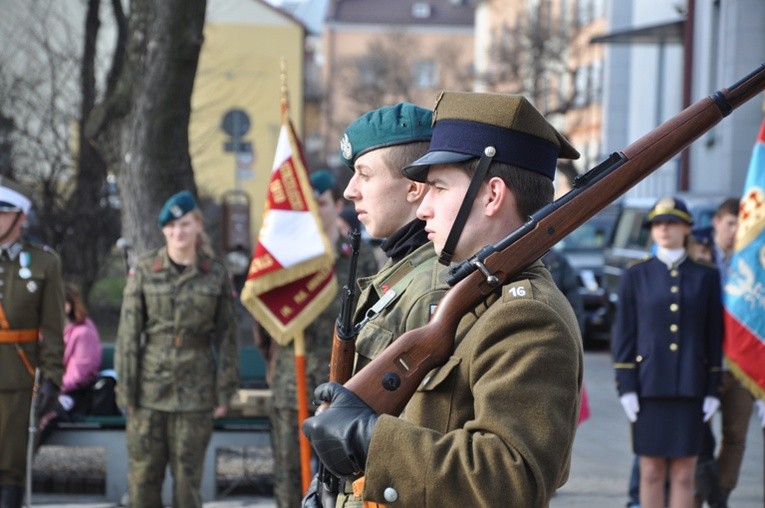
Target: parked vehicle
{"type": "Point", "coordinates": [631, 241]}
{"type": "Point", "coordinates": [584, 249]}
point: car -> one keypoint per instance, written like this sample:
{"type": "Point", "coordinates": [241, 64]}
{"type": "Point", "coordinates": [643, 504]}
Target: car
{"type": "Point", "coordinates": [584, 250]}
{"type": "Point", "coordinates": [632, 242]}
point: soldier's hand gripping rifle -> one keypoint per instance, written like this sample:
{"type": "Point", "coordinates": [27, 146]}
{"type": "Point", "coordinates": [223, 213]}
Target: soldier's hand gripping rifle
{"type": "Point", "coordinates": [389, 381]}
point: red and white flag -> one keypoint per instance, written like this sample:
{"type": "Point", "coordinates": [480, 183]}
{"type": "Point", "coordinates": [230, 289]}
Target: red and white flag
{"type": "Point", "coordinates": [291, 277]}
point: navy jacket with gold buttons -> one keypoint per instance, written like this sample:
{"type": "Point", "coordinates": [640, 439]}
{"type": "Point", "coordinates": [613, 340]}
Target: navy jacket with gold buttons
{"type": "Point", "coordinates": [667, 336]}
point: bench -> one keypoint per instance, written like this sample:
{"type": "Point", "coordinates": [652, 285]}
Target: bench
{"type": "Point", "coordinates": [247, 425]}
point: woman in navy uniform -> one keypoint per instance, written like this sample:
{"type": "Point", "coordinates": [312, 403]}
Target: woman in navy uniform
{"type": "Point", "coordinates": [667, 349]}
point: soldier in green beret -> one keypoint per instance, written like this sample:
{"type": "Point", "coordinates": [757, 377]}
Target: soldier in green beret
{"type": "Point", "coordinates": [177, 357]}
{"type": "Point", "coordinates": [493, 426]}
{"type": "Point", "coordinates": [404, 294]}
{"type": "Point", "coordinates": [285, 440]}
{"type": "Point", "coordinates": [31, 308]}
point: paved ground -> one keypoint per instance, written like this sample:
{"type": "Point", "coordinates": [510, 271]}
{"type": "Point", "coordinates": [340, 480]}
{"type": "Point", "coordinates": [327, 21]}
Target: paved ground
{"type": "Point", "coordinates": [601, 463]}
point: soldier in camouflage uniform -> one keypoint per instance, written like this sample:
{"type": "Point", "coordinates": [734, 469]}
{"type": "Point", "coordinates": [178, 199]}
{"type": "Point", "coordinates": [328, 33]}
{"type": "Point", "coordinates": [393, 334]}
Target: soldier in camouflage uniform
{"type": "Point", "coordinates": [318, 348]}
{"type": "Point", "coordinates": [31, 306]}
{"type": "Point", "coordinates": [177, 357]}
{"type": "Point", "coordinates": [403, 295]}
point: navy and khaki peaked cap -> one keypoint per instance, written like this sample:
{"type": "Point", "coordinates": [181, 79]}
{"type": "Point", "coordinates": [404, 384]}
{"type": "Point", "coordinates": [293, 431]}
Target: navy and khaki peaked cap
{"type": "Point", "coordinates": [176, 207]}
{"type": "Point", "coordinates": [13, 196]}
{"type": "Point", "coordinates": [669, 209]}
{"type": "Point", "coordinates": [466, 123]}
{"type": "Point", "coordinates": [387, 126]}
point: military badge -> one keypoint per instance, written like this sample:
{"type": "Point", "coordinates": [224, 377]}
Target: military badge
{"type": "Point", "coordinates": [345, 147]}
{"type": "Point", "coordinates": [24, 271]}
{"type": "Point", "coordinates": [31, 286]}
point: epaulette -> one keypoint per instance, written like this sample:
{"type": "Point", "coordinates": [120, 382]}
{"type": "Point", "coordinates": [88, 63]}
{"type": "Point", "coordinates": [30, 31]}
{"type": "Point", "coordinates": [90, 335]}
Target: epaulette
{"type": "Point", "coordinates": [156, 265]}
{"type": "Point", "coordinates": [706, 263]}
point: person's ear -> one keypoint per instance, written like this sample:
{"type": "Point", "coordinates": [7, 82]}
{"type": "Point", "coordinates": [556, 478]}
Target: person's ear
{"type": "Point", "coordinates": [415, 191]}
{"type": "Point", "coordinates": [496, 197]}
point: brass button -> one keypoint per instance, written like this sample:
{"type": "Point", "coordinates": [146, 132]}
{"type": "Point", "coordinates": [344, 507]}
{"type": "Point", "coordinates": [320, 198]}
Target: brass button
{"type": "Point", "coordinates": [673, 328]}
{"type": "Point", "coordinates": [673, 346]}
{"type": "Point", "coordinates": [674, 273]}
{"type": "Point", "coordinates": [639, 358]}
{"type": "Point", "coordinates": [673, 307]}
{"type": "Point", "coordinates": [674, 289]}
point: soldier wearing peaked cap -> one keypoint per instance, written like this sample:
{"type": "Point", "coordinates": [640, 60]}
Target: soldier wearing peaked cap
{"type": "Point", "coordinates": [504, 407]}
{"type": "Point", "coordinates": [177, 356]}
{"type": "Point", "coordinates": [667, 350]}
{"type": "Point", "coordinates": [31, 307]}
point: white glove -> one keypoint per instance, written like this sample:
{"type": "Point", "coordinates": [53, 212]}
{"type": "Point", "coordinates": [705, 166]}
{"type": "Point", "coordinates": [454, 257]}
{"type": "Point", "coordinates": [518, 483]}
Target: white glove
{"type": "Point", "coordinates": [631, 405]}
{"type": "Point", "coordinates": [66, 402]}
{"type": "Point", "coordinates": [711, 405]}
{"type": "Point", "coordinates": [761, 411]}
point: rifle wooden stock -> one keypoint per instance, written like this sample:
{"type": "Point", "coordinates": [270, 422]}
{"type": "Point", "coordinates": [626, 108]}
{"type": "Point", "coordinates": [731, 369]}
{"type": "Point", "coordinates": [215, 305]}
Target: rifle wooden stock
{"type": "Point", "coordinates": [389, 381]}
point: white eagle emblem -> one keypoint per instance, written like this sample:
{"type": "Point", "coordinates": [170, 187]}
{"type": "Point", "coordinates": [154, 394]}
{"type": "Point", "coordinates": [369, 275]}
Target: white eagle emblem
{"type": "Point", "coordinates": [345, 147]}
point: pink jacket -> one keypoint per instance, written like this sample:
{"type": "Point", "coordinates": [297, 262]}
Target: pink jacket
{"type": "Point", "coordinates": [82, 355]}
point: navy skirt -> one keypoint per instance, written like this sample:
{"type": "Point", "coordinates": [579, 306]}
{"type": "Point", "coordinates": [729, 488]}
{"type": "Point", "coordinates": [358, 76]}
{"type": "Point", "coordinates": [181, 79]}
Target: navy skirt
{"type": "Point", "coordinates": [668, 427]}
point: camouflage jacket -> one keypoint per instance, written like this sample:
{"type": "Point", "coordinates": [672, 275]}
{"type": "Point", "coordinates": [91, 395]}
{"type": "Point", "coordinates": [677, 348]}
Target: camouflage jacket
{"type": "Point", "coordinates": [410, 307]}
{"type": "Point", "coordinates": [318, 335]}
{"type": "Point", "coordinates": [32, 298]}
{"type": "Point", "coordinates": [176, 342]}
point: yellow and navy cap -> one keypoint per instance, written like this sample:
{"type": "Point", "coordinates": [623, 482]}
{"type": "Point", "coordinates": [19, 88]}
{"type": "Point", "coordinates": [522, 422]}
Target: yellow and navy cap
{"type": "Point", "coordinates": [466, 123]}
{"type": "Point", "coordinates": [400, 124]}
{"type": "Point", "coordinates": [669, 209]}
{"type": "Point", "coordinates": [13, 196]}
{"type": "Point", "coordinates": [176, 207]}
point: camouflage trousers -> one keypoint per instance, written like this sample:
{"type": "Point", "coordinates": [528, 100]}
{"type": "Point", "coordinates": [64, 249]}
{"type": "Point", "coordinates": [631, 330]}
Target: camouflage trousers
{"type": "Point", "coordinates": [14, 429]}
{"type": "Point", "coordinates": [158, 438]}
{"type": "Point", "coordinates": [285, 445]}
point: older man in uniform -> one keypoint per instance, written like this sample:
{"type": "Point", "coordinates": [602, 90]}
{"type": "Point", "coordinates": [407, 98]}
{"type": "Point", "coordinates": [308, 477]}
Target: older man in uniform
{"type": "Point", "coordinates": [31, 336]}
{"type": "Point", "coordinates": [494, 426]}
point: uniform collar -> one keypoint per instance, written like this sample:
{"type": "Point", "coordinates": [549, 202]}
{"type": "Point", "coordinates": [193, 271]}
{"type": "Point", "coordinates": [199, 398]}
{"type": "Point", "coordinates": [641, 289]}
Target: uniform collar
{"type": "Point", "coordinates": [11, 251]}
{"type": "Point", "coordinates": [670, 257]}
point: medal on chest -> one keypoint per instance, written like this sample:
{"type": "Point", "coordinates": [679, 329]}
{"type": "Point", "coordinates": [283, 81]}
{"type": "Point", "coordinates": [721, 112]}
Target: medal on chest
{"type": "Point", "coordinates": [24, 259]}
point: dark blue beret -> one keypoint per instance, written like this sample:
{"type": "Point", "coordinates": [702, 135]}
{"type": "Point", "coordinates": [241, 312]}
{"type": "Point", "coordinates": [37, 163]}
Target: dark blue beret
{"type": "Point", "coordinates": [176, 207]}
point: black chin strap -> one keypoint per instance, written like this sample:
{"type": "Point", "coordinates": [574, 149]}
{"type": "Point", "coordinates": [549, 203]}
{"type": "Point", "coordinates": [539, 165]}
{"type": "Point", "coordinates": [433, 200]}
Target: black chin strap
{"type": "Point", "coordinates": [467, 203]}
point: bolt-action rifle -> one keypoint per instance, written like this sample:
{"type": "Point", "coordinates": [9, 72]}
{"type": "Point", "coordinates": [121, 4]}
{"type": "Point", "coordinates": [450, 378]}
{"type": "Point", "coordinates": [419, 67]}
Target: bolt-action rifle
{"type": "Point", "coordinates": [389, 381]}
{"type": "Point", "coordinates": [343, 354]}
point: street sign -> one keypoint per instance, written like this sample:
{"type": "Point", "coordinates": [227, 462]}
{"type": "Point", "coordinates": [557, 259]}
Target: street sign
{"type": "Point", "coordinates": [235, 123]}
{"type": "Point", "coordinates": [238, 146]}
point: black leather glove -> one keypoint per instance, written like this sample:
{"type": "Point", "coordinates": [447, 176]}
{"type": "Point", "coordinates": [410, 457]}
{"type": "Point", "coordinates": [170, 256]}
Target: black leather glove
{"type": "Point", "coordinates": [47, 398]}
{"type": "Point", "coordinates": [340, 435]}
{"type": "Point", "coordinates": [311, 499]}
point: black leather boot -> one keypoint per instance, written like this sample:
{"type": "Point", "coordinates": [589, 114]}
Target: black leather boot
{"type": "Point", "coordinates": [11, 496]}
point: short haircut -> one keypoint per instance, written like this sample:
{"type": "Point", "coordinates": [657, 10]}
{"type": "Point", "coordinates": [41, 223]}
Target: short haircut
{"type": "Point", "coordinates": [397, 157]}
{"type": "Point", "coordinates": [531, 190]}
{"type": "Point", "coordinates": [729, 206]}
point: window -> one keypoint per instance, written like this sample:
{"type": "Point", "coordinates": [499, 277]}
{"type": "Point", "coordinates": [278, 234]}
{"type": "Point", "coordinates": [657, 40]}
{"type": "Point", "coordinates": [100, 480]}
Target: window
{"type": "Point", "coordinates": [424, 74]}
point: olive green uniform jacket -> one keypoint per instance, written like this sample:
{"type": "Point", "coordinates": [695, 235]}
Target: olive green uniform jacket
{"type": "Point", "coordinates": [495, 425]}
{"type": "Point", "coordinates": [32, 297]}
{"type": "Point", "coordinates": [36, 301]}
{"type": "Point", "coordinates": [176, 342]}
{"type": "Point", "coordinates": [412, 303]}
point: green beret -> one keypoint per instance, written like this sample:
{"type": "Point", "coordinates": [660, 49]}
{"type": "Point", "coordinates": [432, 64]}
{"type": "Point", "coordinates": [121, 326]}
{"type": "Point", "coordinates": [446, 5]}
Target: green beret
{"type": "Point", "coordinates": [466, 123]}
{"type": "Point", "coordinates": [322, 181]}
{"type": "Point", "coordinates": [387, 126]}
{"type": "Point", "coordinates": [14, 197]}
{"type": "Point", "coordinates": [176, 207]}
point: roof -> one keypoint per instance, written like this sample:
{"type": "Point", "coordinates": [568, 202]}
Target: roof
{"type": "Point", "coordinates": [669, 32]}
{"type": "Point", "coordinates": [403, 12]}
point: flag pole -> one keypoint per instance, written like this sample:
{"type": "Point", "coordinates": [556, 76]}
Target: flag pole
{"type": "Point", "coordinates": [298, 343]}
{"type": "Point", "coordinates": [302, 399]}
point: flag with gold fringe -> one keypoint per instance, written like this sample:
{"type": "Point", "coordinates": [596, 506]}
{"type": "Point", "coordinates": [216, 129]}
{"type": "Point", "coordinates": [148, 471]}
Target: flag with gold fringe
{"type": "Point", "coordinates": [744, 292]}
{"type": "Point", "coordinates": [291, 277]}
